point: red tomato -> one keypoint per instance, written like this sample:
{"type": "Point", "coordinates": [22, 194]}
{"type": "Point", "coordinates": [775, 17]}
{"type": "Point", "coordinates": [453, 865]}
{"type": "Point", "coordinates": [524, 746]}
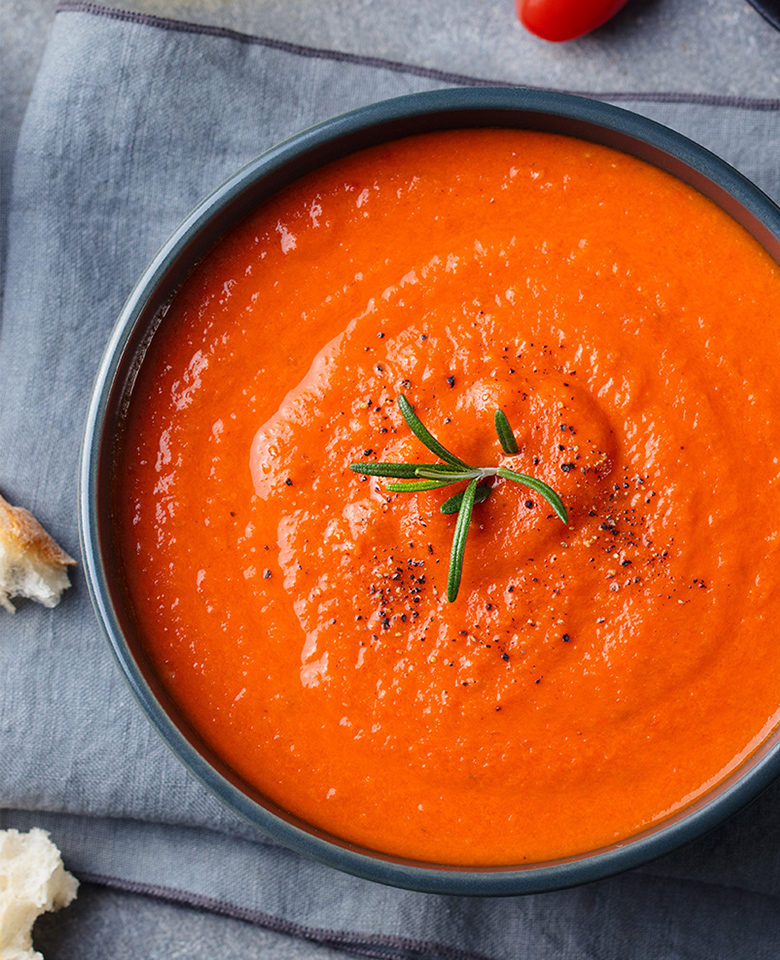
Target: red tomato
{"type": "Point", "coordinates": [565, 19]}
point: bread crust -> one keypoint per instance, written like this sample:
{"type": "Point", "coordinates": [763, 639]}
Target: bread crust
{"type": "Point", "coordinates": [32, 563]}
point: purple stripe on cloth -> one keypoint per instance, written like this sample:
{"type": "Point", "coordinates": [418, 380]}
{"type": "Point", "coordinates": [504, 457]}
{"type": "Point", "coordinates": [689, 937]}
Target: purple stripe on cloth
{"type": "Point", "coordinates": [444, 76]}
{"type": "Point", "coordinates": [363, 945]}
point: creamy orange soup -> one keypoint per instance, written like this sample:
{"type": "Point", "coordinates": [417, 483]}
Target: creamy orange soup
{"type": "Point", "coordinates": [590, 679]}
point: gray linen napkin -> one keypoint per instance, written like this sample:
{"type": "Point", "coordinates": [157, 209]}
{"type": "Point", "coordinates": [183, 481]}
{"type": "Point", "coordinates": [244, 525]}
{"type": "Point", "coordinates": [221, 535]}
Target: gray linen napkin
{"type": "Point", "coordinates": [132, 121]}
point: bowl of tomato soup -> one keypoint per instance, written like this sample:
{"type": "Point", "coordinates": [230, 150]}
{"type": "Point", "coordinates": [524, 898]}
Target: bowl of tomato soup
{"type": "Point", "coordinates": [600, 687]}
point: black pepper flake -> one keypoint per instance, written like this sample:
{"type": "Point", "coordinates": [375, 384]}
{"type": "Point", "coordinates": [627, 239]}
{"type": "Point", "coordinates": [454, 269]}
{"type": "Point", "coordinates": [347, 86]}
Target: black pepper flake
{"type": "Point", "coordinates": [566, 638]}
{"type": "Point", "coordinates": [266, 574]}
{"type": "Point", "coordinates": [385, 623]}
{"type": "Point", "coordinates": [451, 381]}
{"type": "Point", "coordinates": [566, 467]}
{"type": "Point", "coordinates": [288, 481]}
{"type": "Point", "coordinates": [380, 368]}
{"type": "Point", "coordinates": [488, 606]}
{"type": "Point", "coordinates": [505, 657]}
{"type": "Point", "coordinates": [380, 335]}
{"type": "Point", "coordinates": [367, 453]}
{"type": "Point", "coordinates": [529, 504]}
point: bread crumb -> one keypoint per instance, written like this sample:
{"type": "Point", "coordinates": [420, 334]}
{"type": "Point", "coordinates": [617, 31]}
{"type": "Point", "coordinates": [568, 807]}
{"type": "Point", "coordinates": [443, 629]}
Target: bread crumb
{"type": "Point", "coordinates": [32, 564]}
{"type": "Point", "coordinates": [33, 880]}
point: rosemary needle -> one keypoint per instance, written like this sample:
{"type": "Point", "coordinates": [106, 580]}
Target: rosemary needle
{"type": "Point", "coordinates": [541, 488]}
{"type": "Point", "coordinates": [452, 505]}
{"type": "Point", "coordinates": [505, 436]}
{"type": "Point", "coordinates": [422, 434]}
{"type": "Point", "coordinates": [459, 541]}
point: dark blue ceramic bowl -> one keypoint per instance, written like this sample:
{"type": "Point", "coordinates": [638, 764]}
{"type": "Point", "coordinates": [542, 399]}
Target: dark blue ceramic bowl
{"type": "Point", "coordinates": [144, 311]}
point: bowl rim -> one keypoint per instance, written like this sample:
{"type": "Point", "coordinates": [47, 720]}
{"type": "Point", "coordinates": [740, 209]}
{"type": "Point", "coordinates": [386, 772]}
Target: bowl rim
{"type": "Point", "coordinates": [307, 150]}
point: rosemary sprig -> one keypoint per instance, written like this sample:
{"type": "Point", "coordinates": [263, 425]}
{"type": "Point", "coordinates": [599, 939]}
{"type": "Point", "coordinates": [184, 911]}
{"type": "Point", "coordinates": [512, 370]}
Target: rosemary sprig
{"type": "Point", "coordinates": [430, 476]}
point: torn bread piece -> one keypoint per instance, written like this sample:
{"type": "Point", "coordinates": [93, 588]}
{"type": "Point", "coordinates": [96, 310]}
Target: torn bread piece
{"type": "Point", "coordinates": [33, 880]}
{"type": "Point", "coordinates": [32, 564]}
